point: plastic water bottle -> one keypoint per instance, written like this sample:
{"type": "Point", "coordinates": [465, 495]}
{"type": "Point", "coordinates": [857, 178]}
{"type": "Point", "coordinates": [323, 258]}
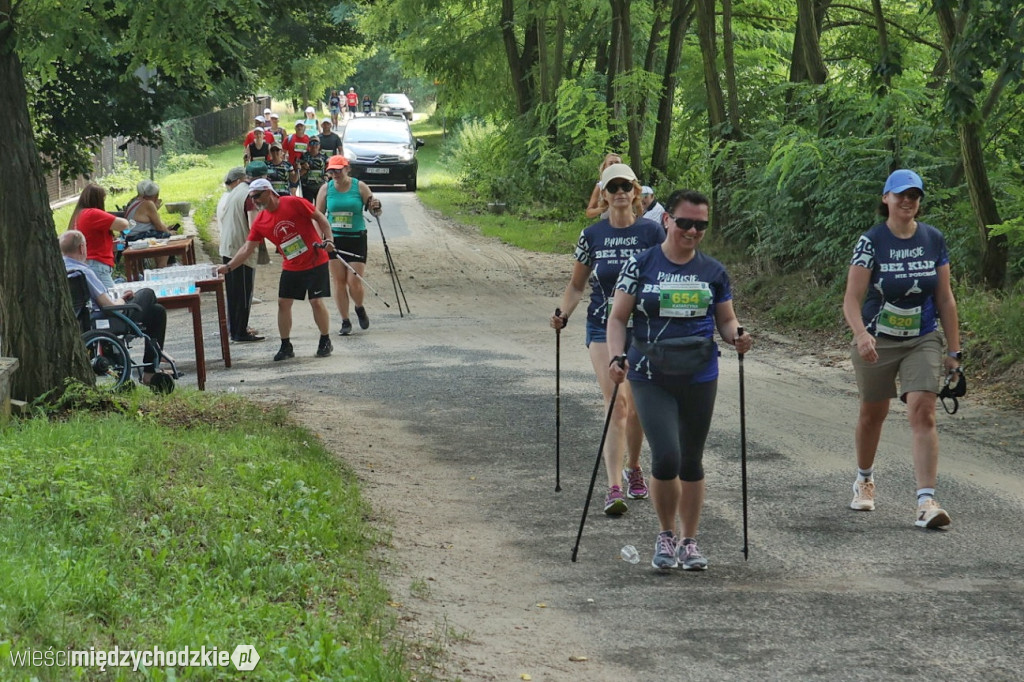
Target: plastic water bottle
{"type": "Point", "coordinates": [630, 554]}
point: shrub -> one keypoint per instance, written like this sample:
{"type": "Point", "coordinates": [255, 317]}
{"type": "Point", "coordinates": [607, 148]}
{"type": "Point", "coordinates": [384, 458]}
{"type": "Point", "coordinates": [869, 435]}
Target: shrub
{"type": "Point", "coordinates": [179, 162]}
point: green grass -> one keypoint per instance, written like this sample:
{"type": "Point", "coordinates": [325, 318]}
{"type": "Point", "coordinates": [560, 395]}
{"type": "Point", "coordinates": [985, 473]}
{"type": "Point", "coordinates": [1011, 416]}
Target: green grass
{"type": "Point", "coordinates": [188, 520]}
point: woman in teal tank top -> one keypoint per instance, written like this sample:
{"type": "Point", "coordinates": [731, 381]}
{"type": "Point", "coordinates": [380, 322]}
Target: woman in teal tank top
{"type": "Point", "coordinates": [342, 199]}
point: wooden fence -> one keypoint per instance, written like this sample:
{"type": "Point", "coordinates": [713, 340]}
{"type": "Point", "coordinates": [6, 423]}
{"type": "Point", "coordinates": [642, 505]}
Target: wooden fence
{"type": "Point", "coordinates": [206, 130]}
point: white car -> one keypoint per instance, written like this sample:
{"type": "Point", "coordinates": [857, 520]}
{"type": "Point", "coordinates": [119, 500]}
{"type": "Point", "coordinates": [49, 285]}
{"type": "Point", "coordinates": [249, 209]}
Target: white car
{"type": "Point", "coordinates": [395, 104]}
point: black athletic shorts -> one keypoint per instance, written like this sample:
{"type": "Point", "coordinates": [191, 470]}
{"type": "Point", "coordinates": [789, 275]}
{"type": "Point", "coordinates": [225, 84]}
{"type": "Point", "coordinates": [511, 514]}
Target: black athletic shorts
{"type": "Point", "coordinates": [296, 284]}
{"type": "Point", "coordinates": [355, 243]}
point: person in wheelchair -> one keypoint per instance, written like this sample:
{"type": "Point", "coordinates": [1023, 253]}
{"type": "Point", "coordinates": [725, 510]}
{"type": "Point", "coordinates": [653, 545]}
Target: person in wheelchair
{"type": "Point", "coordinates": [150, 315]}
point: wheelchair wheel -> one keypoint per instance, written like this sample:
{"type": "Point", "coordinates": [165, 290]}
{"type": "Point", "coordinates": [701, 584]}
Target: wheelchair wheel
{"type": "Point", "coordinates": [108, 357]}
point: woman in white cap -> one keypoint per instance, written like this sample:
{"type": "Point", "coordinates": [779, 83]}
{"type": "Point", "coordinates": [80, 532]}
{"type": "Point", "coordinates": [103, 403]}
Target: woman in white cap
{"type": "Point", "coordinates": [311, 122]}
{"type": "Point", "coordinates": [602, 250]}
{"type": "Point", "coordinates": [897, 294]}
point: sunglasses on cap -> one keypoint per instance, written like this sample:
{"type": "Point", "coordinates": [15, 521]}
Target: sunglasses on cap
{"type": "Point", "coordinates": [615, 186]}
{"type": "Point", "coordinates": [686, 223]}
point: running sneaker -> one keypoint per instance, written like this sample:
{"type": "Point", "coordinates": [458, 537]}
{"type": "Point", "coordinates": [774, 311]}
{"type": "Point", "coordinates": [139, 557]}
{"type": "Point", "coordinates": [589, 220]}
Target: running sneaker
{"type": "Point", "coordinates": [615, 502]}
{"type": "Point", "coordinates": [690, 557]}
{"type": "Point", "coordinates": [325, 347]}
{"type": "Point", "coordinates": [364, 321]}
{"type": "Point", "coordinates": [346, 328]}
{"type": "Point", "coordinates": [863, 495]}
{"type": "Point", "coordinates": [286, 352]}
{"type": "Point", "coordinates": [665, 551]}
{"type": "Point", "coordinates": [636, 487]}
{"type": "Point", "coordinates": [931, 515]}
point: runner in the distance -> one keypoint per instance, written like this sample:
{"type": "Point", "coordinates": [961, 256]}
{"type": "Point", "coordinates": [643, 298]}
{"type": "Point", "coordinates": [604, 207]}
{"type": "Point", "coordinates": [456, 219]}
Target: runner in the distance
{"type": "Point", "coordinates": [352, 101]}
{"type": "Point", "coordinates": [602, 250]}
{"type": "Point", "coordinates": [298, 230]}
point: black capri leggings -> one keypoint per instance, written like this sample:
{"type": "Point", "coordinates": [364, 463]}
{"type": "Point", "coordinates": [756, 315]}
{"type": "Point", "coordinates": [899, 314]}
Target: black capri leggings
{"type": "Point", "coordinates": [676, 421]}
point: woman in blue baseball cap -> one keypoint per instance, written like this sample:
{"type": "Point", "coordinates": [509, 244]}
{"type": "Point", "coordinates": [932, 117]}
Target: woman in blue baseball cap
{"type": "Point", "coordinates": [898, 293]}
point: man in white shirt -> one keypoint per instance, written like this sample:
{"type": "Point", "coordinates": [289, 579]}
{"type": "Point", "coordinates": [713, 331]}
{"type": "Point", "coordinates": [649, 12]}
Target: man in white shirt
{"type": "Point", "coordinates": [233, 224]}
{"type": "Point", "coordinates": [653, 210]}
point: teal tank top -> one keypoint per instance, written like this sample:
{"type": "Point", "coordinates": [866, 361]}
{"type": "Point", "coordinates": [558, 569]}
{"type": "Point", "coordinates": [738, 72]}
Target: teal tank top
{"type": "Point", "coordinates": [345, 210]}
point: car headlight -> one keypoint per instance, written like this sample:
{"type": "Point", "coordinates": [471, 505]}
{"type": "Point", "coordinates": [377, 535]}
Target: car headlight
{"type": "Point", "coordinates": [349, 154]}
{"type": "Point", "coordinates": [405, 155]}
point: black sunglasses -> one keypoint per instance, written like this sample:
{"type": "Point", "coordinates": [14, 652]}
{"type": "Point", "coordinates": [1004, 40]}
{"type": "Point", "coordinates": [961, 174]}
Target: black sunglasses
{"type": "Point", "coordinates": [615, 187]}
{"type": "Point", "coordinates": [686, 223]}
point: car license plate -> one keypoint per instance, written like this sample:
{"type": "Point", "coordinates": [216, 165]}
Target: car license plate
{"type": "Point", "coordinates": [378, 171]}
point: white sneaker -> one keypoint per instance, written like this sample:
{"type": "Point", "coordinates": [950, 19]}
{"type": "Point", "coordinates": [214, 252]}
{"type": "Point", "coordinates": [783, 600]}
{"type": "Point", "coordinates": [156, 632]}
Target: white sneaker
{"type": "Point", "coordinates": [931, 515]}
{"type": "Point", "coordinates": [863, 495]}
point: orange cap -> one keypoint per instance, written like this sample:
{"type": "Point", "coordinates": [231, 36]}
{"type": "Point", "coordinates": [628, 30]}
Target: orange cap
{"type": "Point", "coordinates": [336, 161]}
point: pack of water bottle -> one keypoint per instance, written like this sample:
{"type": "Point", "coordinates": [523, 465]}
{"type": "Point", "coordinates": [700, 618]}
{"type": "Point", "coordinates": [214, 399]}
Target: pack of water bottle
{"type": "Point", "coordinates": [178, 280]}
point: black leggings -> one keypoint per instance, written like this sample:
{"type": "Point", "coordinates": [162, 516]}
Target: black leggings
{"type": "Point", "coordinates": [676, 421]}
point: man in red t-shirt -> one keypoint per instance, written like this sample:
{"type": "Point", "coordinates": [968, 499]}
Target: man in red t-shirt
{"type": "Point", "coordinates": [297, 144]}
{"type": "Point", "coordinates": [352, 100]}
{"type": "Point", "coordinates": [299, 231]}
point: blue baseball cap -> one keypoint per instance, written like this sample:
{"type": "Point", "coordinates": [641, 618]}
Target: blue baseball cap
{"type": "Point", "coordinates": [902, 180]}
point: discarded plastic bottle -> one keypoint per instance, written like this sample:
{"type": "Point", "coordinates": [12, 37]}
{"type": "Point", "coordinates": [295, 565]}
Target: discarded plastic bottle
{"type": "Point", "coordinates": [630, 554]}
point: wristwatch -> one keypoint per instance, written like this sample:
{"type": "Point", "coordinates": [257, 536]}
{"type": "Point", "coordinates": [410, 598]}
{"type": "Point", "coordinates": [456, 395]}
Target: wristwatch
{"type": "Point", "coordinates": [957, 355]}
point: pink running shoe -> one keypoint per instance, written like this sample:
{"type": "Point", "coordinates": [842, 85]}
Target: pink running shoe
{"type": "Point", "coordinates": [636, 486]}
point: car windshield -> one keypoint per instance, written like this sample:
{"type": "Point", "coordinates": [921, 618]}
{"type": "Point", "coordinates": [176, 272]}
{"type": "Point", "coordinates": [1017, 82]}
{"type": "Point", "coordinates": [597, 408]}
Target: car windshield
{"type": "Point", "coordinates": [394, 99]}
{"type": "Point", "coordinates": [387, 134]}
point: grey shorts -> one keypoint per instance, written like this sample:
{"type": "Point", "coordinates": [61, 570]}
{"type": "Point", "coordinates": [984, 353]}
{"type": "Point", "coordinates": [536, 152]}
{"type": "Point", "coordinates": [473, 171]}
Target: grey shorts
{"type": "Point", "coordinates": [916, 362]}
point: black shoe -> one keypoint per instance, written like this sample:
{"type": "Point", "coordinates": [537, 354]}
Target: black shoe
{"type": "Point", "coordinates": [346, 328]}
{"type": "Point", "coordinates": [364, 321]}
{"type": "Point", "coordinates": [284, 353]}
{"type": "Point", "coordinates": [248, 338]}
{"type": "Point", "coordinates": [325, 347]}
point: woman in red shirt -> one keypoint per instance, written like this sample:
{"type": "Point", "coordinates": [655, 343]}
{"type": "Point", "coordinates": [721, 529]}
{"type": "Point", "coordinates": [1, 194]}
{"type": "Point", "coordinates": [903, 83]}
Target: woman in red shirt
{"type": "Point", "coordinates": [98, 226]}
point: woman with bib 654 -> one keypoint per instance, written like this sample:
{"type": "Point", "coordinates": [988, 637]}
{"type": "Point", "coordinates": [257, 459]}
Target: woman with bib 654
{"type": "Point", "coordinates": [677, 296]}
{"type": "Point", "coordinates": [342, 199]}
{"type": "Point", "coordinates": [897, 292]}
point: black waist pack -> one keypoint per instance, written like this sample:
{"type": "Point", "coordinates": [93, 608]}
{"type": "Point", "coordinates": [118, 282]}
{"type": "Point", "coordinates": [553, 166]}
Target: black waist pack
{"type": "Point", "coordinates": [682, 356]}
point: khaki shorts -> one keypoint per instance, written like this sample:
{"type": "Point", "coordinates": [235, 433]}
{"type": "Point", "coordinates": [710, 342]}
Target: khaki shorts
{"type": "Point", "coordinates": [917, 363]}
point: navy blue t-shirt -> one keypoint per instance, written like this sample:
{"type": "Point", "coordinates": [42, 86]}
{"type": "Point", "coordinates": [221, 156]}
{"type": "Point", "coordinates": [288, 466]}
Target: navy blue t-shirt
{"type": "Point", "coordinates": [605, 249]}
{"type": "Point", "coordinates": [900, 302]}
{"type": "Point", "coordinates": [698, 286]}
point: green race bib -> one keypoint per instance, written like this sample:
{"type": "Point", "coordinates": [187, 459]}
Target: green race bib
{"type": "Point", "coordinates": [294, 247]}
{"type": "Point", "coordinates": [685, 299]}
{"type": "Point", "coordinates": [341, 221]}
{"type": "Point", "coordinates": [901, 322]}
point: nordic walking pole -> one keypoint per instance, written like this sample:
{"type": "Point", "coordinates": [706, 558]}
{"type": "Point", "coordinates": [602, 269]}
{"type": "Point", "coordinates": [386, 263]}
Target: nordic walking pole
{"type": "Point", "coordinates": [743, 450]}
{"type": "Point", "coordinates": [332, 254]}
{"type": "Point", "coordinates": [395, 281]}
{"type": "Point", "coordinates": [593, 476]}
{"type": "Point", "coordinates": [558, 403]}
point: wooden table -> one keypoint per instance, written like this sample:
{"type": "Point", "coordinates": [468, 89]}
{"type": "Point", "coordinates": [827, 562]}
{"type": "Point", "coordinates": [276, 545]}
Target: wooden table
{"type": "Point", "coordinates": [216, 285]}
{"type": "Point", "coordinates": [191, 303]}
{"type": "Point", "coordinates": [133, 270]}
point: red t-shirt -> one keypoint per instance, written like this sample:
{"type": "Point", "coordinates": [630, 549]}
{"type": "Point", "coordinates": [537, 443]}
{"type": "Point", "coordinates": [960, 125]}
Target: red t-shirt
{"type": "Point", "coordinates": [95, 224]}
{"type": "Point", "coordinates": [352, 99]}
{"type": "Point", "coordinates": [251, 137]}
{"type": "Point", "coordinates": [295, 146]}
{"type": "Point", "coordinates": [291, 228]}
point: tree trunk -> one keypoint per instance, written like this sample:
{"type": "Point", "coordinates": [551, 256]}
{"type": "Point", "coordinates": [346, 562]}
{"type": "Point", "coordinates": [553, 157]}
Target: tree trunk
{"type": "Point", "coordinates": [885, 69]}
{"type": "Point", "coordinates": [730, 69]}
{"type": "Point", "coordinates": [995, 250]}
{"type": "Point", "coordinates": [717, 120]}
{"type": "Point", "coordinates": [36, 321]}
{"type": "Point", "coordinates": [682, 14]}
{"type": "Point", "coordinates": [521, 66]}
{"type": "Point", "coordinates": [650, 55]}
{"type": "Point", "coordinates": [806, 45]}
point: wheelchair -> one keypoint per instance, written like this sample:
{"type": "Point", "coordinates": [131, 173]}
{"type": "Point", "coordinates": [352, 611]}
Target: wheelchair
{"type": "Point", "coordinates": [108, 340]}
